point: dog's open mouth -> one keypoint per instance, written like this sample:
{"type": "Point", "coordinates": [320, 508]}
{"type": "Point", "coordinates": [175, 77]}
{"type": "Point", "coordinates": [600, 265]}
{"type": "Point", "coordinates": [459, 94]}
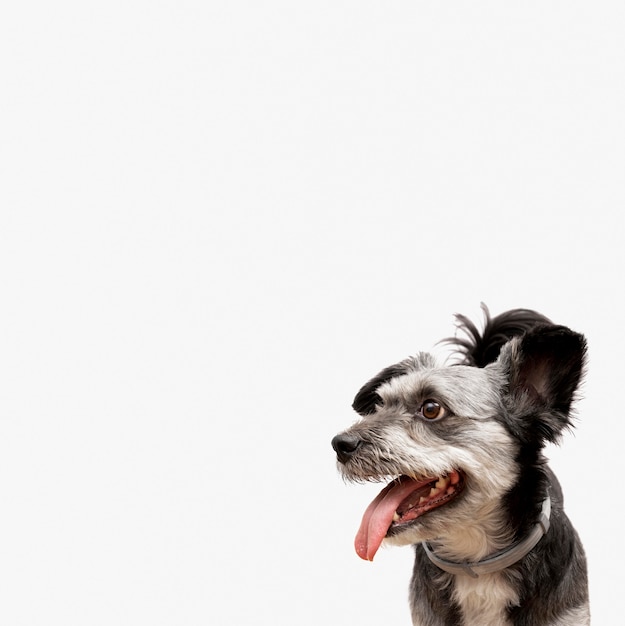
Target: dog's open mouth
{"type": "Point", "coordinates": [401, 502]}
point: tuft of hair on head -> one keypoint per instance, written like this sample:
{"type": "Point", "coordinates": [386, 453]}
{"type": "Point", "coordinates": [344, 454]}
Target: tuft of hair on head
{"type": "Point", "coordinates": [478, 349]}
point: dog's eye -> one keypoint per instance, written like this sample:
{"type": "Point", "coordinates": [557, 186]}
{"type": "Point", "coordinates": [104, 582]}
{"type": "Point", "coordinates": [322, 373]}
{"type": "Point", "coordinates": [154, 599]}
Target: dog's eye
{"type": "Point", "coordinates": [432, 410]}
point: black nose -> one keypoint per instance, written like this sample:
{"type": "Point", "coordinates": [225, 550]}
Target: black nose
{"type": "Point", "coordinates": [345, 445]}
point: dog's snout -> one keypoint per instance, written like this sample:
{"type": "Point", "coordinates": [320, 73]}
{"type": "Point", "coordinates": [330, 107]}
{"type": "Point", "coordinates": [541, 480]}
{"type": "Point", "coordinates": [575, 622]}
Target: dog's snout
{"type": "Point", "coordinates": [345, 445]}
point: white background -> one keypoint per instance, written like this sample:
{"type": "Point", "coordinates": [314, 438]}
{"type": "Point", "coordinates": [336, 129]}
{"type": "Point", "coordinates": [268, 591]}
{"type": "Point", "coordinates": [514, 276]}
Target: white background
{"type": "Point", "coordinates": [218, 220]}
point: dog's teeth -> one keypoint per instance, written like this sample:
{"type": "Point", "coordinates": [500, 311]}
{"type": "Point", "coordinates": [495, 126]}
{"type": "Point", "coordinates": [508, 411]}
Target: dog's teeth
{"type": "Point", "coordinates": [434, 492]}
{"type": "Point", "coordinates": [422, 499]}
{"type": "Point", "coordinates": [442, 483]}
{"type": "Point", "coordinates": [396, 517]}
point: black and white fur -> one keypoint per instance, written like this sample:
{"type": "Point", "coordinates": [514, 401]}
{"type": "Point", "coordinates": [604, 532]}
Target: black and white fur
{"type": "Point", "coordinates": [510, 395]}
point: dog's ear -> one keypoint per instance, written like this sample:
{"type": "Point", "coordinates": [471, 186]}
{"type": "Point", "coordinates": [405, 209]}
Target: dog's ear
{"type": "Point", "coordinates": [481, 348]}
{"type": "Point", "coordinates": [544, 368]}
{"type": "Point", "coordinates": [367, 397]}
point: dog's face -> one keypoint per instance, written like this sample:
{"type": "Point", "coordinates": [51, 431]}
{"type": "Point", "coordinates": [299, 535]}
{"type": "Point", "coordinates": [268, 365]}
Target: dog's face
{"type": "Point", "coordinates": [449, 439]}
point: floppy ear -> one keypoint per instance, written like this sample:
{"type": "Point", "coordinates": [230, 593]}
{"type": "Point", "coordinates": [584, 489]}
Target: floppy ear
{"type": "Point", "coordinates": [367, 397]}
{"type": "Point", "coordinates": [544, 368]}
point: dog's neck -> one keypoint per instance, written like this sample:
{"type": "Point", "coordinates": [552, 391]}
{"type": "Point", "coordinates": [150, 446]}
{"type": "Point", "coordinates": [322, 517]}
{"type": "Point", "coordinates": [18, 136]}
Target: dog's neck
{"type": "Point", "coordinates": [501, 559]}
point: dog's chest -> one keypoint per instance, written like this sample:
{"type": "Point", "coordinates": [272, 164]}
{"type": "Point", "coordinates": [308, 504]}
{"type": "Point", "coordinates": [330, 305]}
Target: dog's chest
{"type": "Point", "coordinates": [483, 601]}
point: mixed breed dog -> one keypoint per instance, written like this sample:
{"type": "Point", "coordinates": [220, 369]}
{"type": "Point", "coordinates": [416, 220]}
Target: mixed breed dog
{"type": "Point", "coordinates": [462, 448]}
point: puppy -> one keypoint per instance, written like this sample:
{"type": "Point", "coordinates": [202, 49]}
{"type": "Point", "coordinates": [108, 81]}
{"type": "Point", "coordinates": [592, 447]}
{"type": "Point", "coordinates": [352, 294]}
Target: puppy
{"type": "Point", "coordinates": [461, 447]}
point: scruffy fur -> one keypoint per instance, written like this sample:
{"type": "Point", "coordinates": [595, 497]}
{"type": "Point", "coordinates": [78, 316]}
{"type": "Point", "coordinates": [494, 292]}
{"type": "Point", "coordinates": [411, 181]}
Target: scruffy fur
{"type": "Point", "coordinates": [510, 393]}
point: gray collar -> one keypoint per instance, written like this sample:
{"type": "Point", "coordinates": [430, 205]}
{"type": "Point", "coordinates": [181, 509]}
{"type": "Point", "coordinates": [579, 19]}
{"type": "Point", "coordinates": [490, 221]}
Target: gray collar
{"type": "Point", "coordinates": [499, 560]}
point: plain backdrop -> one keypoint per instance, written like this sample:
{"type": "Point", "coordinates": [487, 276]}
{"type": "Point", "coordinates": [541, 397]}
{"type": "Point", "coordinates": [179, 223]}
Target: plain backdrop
{"type": "Point", "coordinates": [218, 220]}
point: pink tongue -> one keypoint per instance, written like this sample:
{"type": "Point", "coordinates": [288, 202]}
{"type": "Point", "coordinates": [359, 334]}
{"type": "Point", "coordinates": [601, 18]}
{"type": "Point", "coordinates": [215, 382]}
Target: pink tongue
{"type": "Point", "coordinates": [379, 515]}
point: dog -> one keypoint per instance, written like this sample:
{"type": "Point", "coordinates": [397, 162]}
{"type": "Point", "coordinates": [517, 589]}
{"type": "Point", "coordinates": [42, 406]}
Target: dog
{"type": "Point", "coordinates": [469, 486]}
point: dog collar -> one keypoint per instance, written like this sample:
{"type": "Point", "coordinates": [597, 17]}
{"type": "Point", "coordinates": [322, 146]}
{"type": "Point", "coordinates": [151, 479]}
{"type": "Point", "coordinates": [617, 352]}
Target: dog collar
{"type": "Point", "coordinates": [499, 560]}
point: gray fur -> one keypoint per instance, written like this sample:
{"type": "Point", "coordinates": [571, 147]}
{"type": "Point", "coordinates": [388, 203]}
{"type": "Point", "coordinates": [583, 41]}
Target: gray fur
{"type": "Point", "coordinates": [497, 419]}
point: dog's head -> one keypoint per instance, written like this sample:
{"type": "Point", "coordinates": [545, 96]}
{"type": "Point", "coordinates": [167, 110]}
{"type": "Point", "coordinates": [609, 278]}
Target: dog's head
{"type": "Point", "coordinates": [455, 440]}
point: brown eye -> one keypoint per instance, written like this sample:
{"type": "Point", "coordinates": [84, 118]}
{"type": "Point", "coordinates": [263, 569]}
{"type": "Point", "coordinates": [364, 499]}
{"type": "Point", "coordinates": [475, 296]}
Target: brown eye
{"type": "Point", "coordinates": [432, 410]}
